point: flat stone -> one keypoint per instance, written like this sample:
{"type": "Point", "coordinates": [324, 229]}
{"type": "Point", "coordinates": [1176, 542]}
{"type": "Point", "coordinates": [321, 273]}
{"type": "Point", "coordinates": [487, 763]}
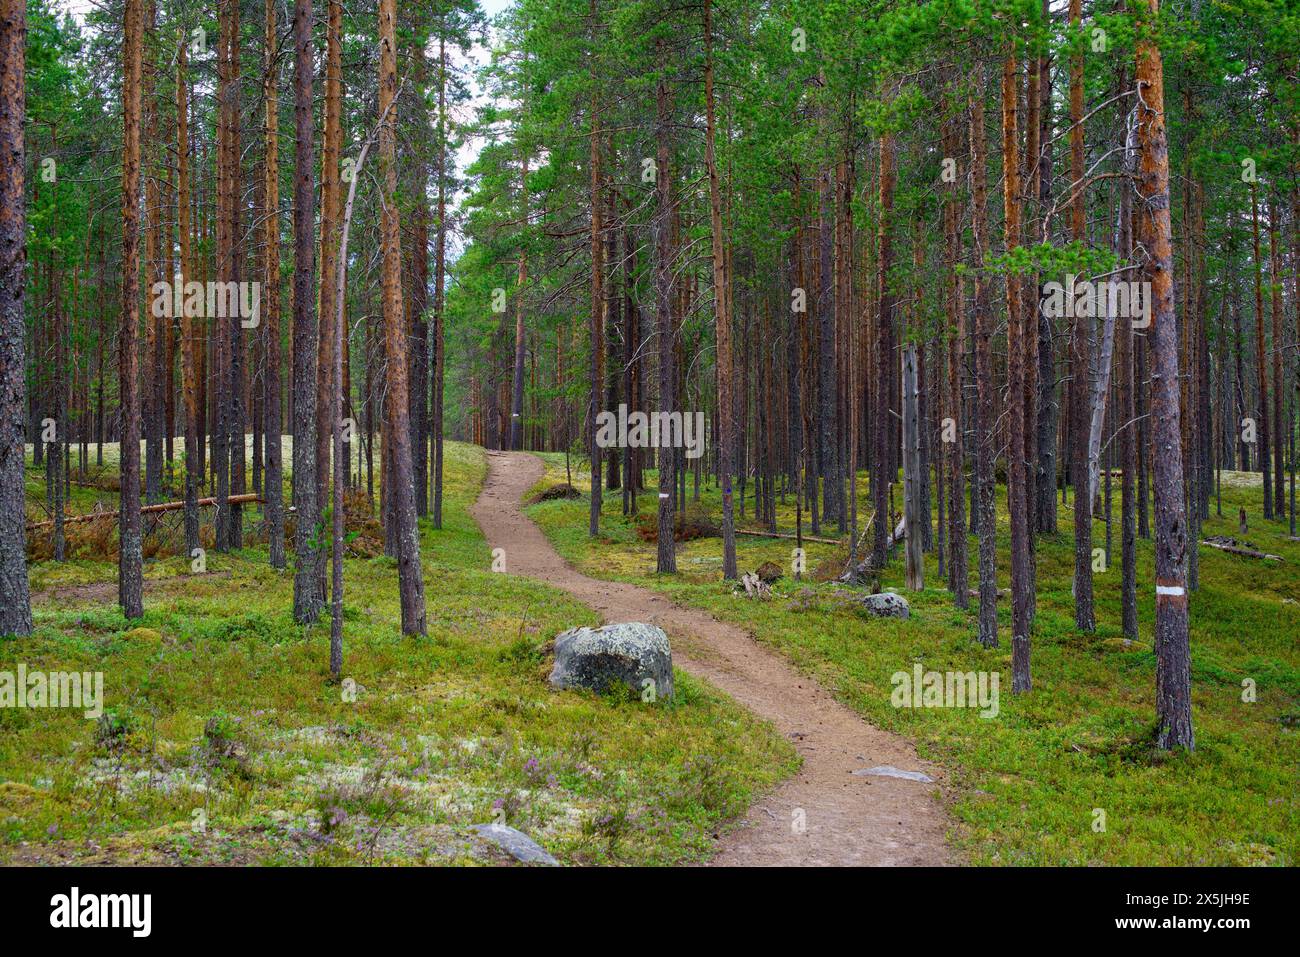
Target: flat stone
{"type": "Point", "coordinates": [517, 844]}
{"type": "Point", "coordinates": [888, 771]}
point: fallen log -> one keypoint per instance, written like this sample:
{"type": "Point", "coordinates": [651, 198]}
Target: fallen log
{"type": "Point", "coordinates": [791, 535]}
{"type": "Point", "coordinates": [862, 571]}
{"type": "Point", "coordinates": [975, 592]}
{"type": "Point", "coordinates": [251, 498]}
{"type": "Point", "coordinates": [1244, 552]}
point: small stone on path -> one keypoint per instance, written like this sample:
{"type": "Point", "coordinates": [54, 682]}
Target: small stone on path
{"type": "Point", "coordinates": [888, 771]}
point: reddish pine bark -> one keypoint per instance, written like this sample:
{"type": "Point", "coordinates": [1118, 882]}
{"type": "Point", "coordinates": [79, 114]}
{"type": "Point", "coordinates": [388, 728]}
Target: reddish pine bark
{"type": "Point", "coordinates": [409, 571]}
{"type": "Point", "coordinates": [1173, 657]}
{"type": "Point", "coordinates": [271, 298]}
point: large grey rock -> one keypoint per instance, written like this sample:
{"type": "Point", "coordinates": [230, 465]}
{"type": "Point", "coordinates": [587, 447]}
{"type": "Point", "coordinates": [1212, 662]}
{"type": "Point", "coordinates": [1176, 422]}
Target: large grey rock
{"type": "Point", "coordinates": [629, 653]}
{"type": "Point", "coordinates": [886, 604]}
{"type": "Point", "coordinates": [516, 843]}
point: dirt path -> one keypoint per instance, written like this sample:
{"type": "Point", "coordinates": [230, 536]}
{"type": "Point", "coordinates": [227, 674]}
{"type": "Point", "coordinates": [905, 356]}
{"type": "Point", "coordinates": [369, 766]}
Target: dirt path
{"type": "Point", "coordinates": [850, 819]}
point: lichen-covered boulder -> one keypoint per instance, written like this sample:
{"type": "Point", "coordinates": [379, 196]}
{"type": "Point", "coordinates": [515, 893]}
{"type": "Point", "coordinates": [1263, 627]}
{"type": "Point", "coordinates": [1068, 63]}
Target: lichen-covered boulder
{"type": "Point", "coordinates": [886, 604]}
{"type": "Point", "coordinates": [631, 653]}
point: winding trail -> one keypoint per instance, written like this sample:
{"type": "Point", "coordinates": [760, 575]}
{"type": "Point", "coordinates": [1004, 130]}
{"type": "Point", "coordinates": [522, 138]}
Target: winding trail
{"type": "Point", "coordinates": [850, 819]}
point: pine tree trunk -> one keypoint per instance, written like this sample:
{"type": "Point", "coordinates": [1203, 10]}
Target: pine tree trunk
{"type": "Point", "coordinates": [130, 559]}
{"type": "Point", "coordinates": [409, 570]}
{"type": "Point", "coordinates": [331, 201]}
{"type": "Point", "coordinates": [521, 279]}
{"type": "Point", "coordinates": [15, 598]}
{"type": "Point", "coordinates": [274, 483]}
{"type": "Point", "coordinates": [189, 371]}
{"type": "Point", "coordinates": [954, 440]}
{"type": "Point", "coordinates": [1262, 435]}
{"type": "Point", "coordinates": [1279, 381]}
{"type": "Point", "coordinates": [307, 598]}
{"type": "Point", "coordinates": [1048, 407]}
{"type": "Point", "coordinates": [1128, 449]}
{"type": "Point", "coordinates": [915, 561]}
{"type": "Point", "coordinates": [666, 560]}
{"type": "Point", "coordinates": [1173, 658]}
{"type": "Point", "coordinates": [597, 304]}
{"type": "Point", "coordinates": [882, 477]}
{"type": "Point", "coordinates": [151, 397]}
{"type": "Point", "coordinates": [722, 321]}
{"type": "Point", "coordinates": [235, 332]}
{"type": "Point", "coordinates": [439, 286]}
{"type": "Point", "coordinates": [828, 389]}
{"type": "Point", "coordinates": [1022, 578]}
{"type": "Point", "coordinates": [984, 425]}
{"type": "Point", "coordinates": [1080, 393]}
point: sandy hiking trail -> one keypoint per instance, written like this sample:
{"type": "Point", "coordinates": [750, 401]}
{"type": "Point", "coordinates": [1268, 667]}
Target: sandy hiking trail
{"type": "Point", "coordinates": [849, 819]}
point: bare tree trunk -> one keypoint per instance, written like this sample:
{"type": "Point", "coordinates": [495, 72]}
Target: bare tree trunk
{"type": "Point", "coordinates": [151, 398]}
{"type": "Point", "coordinates": [307, 598]}
{"type": "Point", "coordinates": [130, 559]}
{"type": "Point", "coordinates": [1100, 394]}
{"type": "Point", "coordinates": [339, 326]}
{"type": "Point", "coordinates": [827, 380]}
{"type": "Point", "coordinates": [615, 327]}
{"type": "Point", "coordinates": [984, 436]}
{"type": "Point", "coordinates": [521, 280]}
{"type": "Point", "coordinates": [1048, 407]}
{"type": "Point", "coordinates": [663, 282]}
{"type": "Point", "coordinates": [1173, 656]}
{"type": "Point", "coordinates": [235, 350]}
{"type": "Point", "coordinates": [274, 484]}
{"type": "Point", "coordinates": [1261, 363]}
{"type": "Point", "coordinates": [15, 597]}
{"type": "Point", "coordinates": [1279, 381]}
{"type": "Point", "coordinates": [1080, 396]}
{"type": "Point", "coordinates": [55, 474]}
{"type": "Point", "coordinates": [418, 301]}
{"type": "Point", "coordinates": [597, 304]}
{"type": "Point", "coordinates": [189, 371]}
{"type": "Point", "coordinates": [439, 284]}
{"type": "Point", "coordinates": [726, 438]}
{"type": "Point", "coordinates": [410, 572]}
{"type": "Point", "coordinates": [1022, 575]}
{"type": "Point", "coordinates": [1128, 449]}
{"type": "Point", "coordinates": [217, 368]}
{"type": "Point", "coordinates": [331, 201]}
{"type": "Point", "coordinates": [882, 477]}
{"type": "Point", "coordinates": [1032, 232]}
{"type": "Point", "coordinates": [915, 560]}
{"type": "Point", "coordinates": [954, 440]}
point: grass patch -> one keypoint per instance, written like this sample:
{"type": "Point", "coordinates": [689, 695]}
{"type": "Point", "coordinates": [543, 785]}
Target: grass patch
{"type": "Point", "coordinates": [223, 741]}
